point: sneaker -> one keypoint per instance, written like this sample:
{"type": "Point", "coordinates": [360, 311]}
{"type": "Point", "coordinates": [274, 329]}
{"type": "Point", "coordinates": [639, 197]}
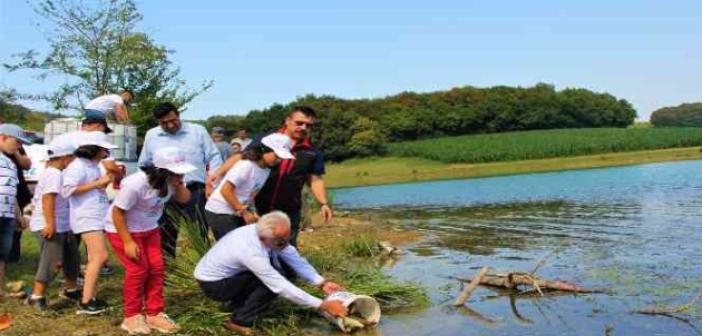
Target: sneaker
{"type": "Point", "coordinates": [93, 307]}
{"type": "Point", "coordinates": [162, 323]}
{"type": "Point", "coordinates": [107, 270]}
{"type": "Point", "coordinates": [38, 303]}
{"type": "Point", "coordinates": [135, 325]}
{"type": "Point", "coordinates": [74, 294]}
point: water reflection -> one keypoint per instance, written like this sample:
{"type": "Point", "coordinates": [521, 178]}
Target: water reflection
{"type": "Point", "coordinates": [634, 230]}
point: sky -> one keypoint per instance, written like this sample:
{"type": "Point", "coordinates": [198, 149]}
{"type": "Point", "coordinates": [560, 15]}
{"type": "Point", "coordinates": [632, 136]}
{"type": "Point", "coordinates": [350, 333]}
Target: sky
{"type": "Point", "coordinates": [263, 52]}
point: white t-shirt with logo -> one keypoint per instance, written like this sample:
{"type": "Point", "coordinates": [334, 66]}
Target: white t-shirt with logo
{"type": "Point", "coordinates": [105, 103]}
{"type": "Point", "coordinates": [50, 182]}
{"type": "Point", "coordinates": [88, 210]}
{"type": "Point", "coordinates": [8, 186]}
{"type": "Point", "coordinates": [141, 203]}
{"type": "Point", "coordinates": [247, 177]}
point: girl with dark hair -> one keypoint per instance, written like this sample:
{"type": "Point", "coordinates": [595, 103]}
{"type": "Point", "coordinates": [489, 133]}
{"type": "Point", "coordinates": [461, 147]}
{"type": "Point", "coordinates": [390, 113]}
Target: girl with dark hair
{"type": "Point", "coordinates": [84, 187]}
{"type": "Point", "coordinates": [229, 206]}
{"type": "Point", "coordinates": [132, 229]}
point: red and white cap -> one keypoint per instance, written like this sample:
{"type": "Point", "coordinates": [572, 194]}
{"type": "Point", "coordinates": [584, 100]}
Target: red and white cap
{"type": "Point", "coordinates": [172, 159]}
{"type": "Point", "coordinates": [280, 144]}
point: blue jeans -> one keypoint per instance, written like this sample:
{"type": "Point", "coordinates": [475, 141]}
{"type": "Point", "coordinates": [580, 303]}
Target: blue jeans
{"type": "Point", "coordinates": [7, 231]}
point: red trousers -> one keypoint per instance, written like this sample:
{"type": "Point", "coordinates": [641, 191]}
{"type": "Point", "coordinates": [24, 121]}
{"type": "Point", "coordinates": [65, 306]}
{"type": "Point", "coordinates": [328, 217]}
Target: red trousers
{"type": "Point", "coordinates": [142, 289]}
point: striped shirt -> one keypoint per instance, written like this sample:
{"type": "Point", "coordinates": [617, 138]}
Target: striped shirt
{"type": "Point", "coordinates": [8, 186]}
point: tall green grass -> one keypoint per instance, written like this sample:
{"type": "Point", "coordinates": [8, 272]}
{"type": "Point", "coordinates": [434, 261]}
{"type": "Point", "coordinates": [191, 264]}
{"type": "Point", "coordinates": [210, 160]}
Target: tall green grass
{"type": "Point", "coordinates": [545, 144]}
{"type": "Point", "coordinates": [353, 264]}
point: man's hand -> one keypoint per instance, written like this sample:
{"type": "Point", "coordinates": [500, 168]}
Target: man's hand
{"type": "Point", "coordinates": [326, 212]}
{"type": "Point", "coordinates": [210, 184]}
{"type": "Point", "coordinates": [249, 217]}
{"type": "Point", "coordinates": [131, 250]}
{"type": "Point", "coordinates": [334, 308]}
{"type": "Point", "coordinates": [329, 287]}
{"type": "Point", "coordinates": [48, 231]}
{"type": "Point", "coordinates": [21, 223]}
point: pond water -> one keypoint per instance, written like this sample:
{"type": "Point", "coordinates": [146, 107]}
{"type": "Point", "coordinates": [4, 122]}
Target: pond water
{"type": "Point", "coordinates": [633, 230]}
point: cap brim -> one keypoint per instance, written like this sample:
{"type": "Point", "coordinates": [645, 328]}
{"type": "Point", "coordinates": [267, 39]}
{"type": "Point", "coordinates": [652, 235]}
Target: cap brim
{"type": "Point", "coordinates": [24, 140]}
{"type": "Point", "coordinates": [180, 168]}
{"type": "Point", "coordinates": [107, 145]}
{"type": "Point", "coordinates": [58, 155]}
{"type": "Point", "coordinates": [283, 154]}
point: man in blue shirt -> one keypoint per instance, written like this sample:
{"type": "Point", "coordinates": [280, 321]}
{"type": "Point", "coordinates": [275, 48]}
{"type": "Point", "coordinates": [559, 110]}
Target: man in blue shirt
{"type": "Point", "coordinates": [200, 151]}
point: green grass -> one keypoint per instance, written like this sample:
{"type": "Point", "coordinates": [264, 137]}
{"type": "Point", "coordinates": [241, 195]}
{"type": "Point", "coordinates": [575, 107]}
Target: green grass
{"type": "Point", "coordinates": [196, 314]}
{"type": "Point", "coordinates": [374, 171]}
{"type": "Point", "coordinates": [543, 144]}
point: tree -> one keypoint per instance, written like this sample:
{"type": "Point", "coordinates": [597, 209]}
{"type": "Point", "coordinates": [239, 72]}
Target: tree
{"type": "Point", "coordinates": [684, 115]}
{"type": "Point", "coordinates": [97, 47]}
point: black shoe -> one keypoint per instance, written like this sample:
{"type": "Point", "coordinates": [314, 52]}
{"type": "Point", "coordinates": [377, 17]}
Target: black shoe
{"type": "Point", "coordinates": [107, 270]}
{"type": "Point", "coordinates": [38, 304]}
{"type": "Point", "coordinates": [74, 295]}
{"type": "Point", "coordinates": [93, 307]}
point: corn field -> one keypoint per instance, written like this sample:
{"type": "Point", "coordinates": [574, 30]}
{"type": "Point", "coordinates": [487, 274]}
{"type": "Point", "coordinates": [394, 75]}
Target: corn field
{"type": "Point", "coordinates": [545, 144]}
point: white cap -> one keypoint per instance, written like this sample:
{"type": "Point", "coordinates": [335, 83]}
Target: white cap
{"type": "Point", "coordinates": [61, 146]}
{"type": "Point", "coordinates": [280, 144]}
{"type": "Point", "coordinates": [96, 139]}
{"type": "Point", "coordinates": [172, 159]}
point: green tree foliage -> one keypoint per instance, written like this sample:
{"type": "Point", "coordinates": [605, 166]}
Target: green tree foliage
{"type": "Point", "coordinates": [95, 46]}
{"type": "Point", "coordinates": [17, 114]}
{"type": "Point", "coordinates": [685, 115]}
{"type": "Point", "coordinates": [360, 127]}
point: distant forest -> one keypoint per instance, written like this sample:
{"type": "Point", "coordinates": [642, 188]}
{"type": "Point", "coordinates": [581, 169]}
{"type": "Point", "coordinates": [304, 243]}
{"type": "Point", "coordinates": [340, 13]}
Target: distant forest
{"type": "Point", "coordinates": [360, 127]}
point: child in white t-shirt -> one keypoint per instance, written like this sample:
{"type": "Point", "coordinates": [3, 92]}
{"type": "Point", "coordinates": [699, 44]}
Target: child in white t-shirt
{"type": "Point", "coordinates": [84, 187]}
{"type": "Point", "coordinates": [50, 223]}
{"type": "Point", "coordinates": [132, 229]}
{"type": "Point", "coordinates": [229, 205]}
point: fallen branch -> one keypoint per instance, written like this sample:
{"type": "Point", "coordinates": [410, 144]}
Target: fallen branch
{"type": "Point", "coordinates": [516, 279]}
{"type": "Point", "coordinates": [470, 287]}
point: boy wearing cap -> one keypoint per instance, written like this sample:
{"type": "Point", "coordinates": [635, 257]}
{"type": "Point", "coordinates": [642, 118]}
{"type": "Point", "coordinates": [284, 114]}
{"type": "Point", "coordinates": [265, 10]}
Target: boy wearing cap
{"type": "Point", "coordinates": [10, 138]}
{"type": "Point", "coordinates": [84, 186]}
{"type": "Point", "coordinates": [50, 223]}
{"type": "Point", "coordinates": [132, 229]}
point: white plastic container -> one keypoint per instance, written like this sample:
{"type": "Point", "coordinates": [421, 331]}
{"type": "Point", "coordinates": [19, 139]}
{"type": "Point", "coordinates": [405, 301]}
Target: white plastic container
{"type": "Point", "coordinates": [364, 311]}
{"type": "Point", "coordinates": [124, 136]}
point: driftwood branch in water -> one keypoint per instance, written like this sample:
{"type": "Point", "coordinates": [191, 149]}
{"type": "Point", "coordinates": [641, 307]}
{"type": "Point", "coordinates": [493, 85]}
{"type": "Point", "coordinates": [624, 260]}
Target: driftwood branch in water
{"type": "Point", "coordinates": [516, 279]}
{"type": "Point", "coordinates": [470, 287]}
{"type": "Point", "coordinates": [669, 311]}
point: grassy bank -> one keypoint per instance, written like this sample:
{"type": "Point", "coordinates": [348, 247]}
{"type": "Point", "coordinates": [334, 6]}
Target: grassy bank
{"type": "Point", "coordinates": [352, 262]}
{"type": "Point", "coordinates": [373, 171]}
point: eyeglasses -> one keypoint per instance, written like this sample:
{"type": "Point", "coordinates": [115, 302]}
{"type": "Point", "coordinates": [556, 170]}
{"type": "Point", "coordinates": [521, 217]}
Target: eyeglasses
{"type": "Point", "coordinates": [280, 243]}
{"type": "Point", "coordinates": [302, 123]}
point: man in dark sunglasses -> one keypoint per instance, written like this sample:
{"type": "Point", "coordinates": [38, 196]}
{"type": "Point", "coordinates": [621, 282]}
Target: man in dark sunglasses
{"type": "Point", "coordinates": [283, 188]}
